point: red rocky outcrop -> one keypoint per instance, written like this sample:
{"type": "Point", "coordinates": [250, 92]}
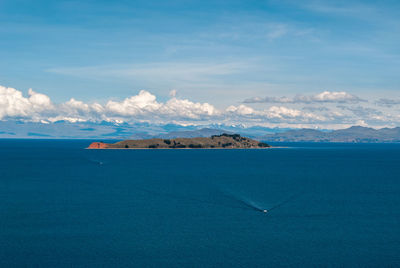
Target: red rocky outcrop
{"type": "Point", "coordinates": [98, 145]}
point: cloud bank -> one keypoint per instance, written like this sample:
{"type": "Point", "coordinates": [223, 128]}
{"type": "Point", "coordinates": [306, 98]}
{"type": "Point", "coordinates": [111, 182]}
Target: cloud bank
{"type": "Point", "coordinates": [323, 97]}
{"type": "Point", "coordinates": [144, 107]}
{"type": "Point", "coordinates": [388, 102]}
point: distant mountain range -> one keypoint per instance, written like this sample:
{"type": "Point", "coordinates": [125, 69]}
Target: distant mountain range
{"type": "Point", "coordinates": [108, 131]}
{"type": "Point", "coordinates": [352, 134]}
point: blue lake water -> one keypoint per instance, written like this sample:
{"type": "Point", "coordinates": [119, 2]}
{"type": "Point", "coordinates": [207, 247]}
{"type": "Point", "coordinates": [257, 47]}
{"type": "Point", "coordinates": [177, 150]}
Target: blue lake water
{"type": "Point", "coordinates": [333, 205]}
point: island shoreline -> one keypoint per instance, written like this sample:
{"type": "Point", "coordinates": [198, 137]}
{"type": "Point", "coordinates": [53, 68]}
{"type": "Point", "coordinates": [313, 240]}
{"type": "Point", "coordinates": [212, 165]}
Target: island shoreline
{"type": "Point", "coordinates": [223, 141]}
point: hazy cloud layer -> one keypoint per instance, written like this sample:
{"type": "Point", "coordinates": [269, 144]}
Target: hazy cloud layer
{"type": "Point", "coordinates": [326, 96]}
{"type": "Point", "coordinates": [388, 102]}
{"type": "Point", "coordinates": [145, 107]}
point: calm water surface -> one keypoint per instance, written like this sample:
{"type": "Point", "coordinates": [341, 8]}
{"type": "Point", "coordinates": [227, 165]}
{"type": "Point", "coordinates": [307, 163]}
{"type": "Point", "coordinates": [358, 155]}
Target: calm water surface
{"type": "Point", "coordinates": [333, 205]}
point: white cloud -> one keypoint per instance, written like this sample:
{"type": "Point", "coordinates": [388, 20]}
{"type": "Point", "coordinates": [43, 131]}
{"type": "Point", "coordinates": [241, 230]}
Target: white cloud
{"type": "Point", "coordinates": [76, 106]}
{"type": "Point", "coordinates": [142, 103]}
{"type": "Point", "coordinates": [282, 112]}
{"type": "Point", "coordinates": [241, 110]}
{"type": "Point", "coordinates": [341, 96]}
{"type": "Point", "coordinates": [39, 101]}
{"type": "Point", "coordinates": [326, 96]}
{"type": "Point", "coordinates": [145, 107]}
{"type": "Point", "coordinates": [186, 108]}
{"type": "Point", "coordinates": [274, 113]}
{"type": "Point", "coordinates": [14, 104]}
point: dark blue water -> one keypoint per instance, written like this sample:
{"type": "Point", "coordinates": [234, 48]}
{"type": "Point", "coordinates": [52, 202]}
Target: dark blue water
{"type": "Point", "coordinates": [63, 206]}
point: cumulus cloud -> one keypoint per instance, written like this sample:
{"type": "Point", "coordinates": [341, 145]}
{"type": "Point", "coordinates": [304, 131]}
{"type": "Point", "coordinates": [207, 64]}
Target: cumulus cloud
{"type": "Point", "coordinates": [14, 104]}
{"type": "Point", "coordinates": [144, 106]}
{"type": "Point", "coordinates": [341, 96]}
{"type": "Point", "coordinates": [188, 109]}
{"type": "Point", "coordinates": [323, 97]}
{"type": "Point", "coordinates": [39, 101]}
{"type": "Point", "coordinates": [140, 104]}
{"type": "Point", "coordinates": [241, 110]}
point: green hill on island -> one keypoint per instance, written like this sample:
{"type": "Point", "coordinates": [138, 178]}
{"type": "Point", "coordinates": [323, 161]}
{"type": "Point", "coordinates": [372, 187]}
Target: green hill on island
{"type": "Point", "coordinates": [223, 141]}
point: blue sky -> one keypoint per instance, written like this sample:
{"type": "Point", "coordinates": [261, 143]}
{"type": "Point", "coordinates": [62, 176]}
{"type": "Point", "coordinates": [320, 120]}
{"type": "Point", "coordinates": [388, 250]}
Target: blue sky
{"type": "Point", "coordinates": [217, 52]}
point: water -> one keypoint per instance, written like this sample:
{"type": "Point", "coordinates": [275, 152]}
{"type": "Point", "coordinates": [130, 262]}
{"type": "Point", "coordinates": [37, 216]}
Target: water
{"type": "Point", "coordinates": [63, 206]}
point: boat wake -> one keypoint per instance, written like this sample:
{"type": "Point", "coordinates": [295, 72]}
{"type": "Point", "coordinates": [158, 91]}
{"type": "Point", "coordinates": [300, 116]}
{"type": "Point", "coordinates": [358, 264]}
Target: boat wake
{"type": "Point", "coordinates": [255, 206]}
{"type": "Point", "coordinates": [239, 202]}
{"type": "Point", "coordinates": [97, 162]}
{"type": "Point", "coordinates": [285, 201]}
{"type": "Point", "coordinates": [191, 199]}
{"type": "Point", "coordinates": [245, 202]}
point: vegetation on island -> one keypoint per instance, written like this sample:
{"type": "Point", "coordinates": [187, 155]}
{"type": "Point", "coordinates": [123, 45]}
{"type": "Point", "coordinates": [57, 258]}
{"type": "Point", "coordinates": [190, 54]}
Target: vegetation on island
{"type": "Point", "coordinates": [223, 141]}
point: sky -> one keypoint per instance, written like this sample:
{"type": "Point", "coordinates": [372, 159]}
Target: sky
{"type": "Point", "coordinates": [317, 64]}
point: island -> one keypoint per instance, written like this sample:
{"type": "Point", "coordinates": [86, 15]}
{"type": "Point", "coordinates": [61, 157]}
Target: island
{"type": "Point", "coordinates": [223, 141]}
